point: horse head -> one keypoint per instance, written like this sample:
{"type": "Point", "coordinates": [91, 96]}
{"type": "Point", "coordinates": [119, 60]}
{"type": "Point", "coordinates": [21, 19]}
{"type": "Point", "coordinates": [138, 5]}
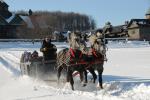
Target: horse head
{"type": "Point", "coordinates": [74, 40]}
{"type": "Point", "coordinates": [97, 43]}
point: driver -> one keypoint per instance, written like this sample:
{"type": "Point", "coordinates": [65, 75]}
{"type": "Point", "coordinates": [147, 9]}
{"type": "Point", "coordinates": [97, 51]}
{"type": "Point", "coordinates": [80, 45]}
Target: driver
{"type": "Point", "coordinates": [48, 49]}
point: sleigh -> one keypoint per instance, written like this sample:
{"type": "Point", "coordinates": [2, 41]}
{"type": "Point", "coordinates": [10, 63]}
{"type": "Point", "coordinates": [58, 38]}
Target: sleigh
{"type": "Point", "coordinates": [36, 67]}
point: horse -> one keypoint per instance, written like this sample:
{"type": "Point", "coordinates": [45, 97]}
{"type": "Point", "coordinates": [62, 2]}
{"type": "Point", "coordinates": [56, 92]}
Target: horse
{"type": "Point", "coordinates": [95, 54]}
{"type": "Point", "coordinates": [98, 51]}
{"type": "Point", "coordinates": [68, 59]}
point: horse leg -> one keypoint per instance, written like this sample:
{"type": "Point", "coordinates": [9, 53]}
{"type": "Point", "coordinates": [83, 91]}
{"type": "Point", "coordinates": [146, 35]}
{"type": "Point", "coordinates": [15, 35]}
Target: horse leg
{"type": "Point", "coordinates": [81, 76]}
{"type": "Point", "coordinates": [71, 81]}
{"type": "Point", "coordinates": [91, 70]}
{"type": "Point", "coordinates": [70, 78]}
{"type": "Point", "coordinates": [100, 71]}
{"type": "Point", "coordinates": [85, 77]}
{"type": "Point", "coordinates": [59, 72]}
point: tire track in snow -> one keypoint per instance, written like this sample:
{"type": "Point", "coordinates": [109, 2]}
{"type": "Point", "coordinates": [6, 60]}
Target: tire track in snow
{"type": "Point", "coordinates": [10, 67]}
{"type": "Point", "coordinates": [14, 56]}
{"type": "Point", "coordinates": [11, 59]}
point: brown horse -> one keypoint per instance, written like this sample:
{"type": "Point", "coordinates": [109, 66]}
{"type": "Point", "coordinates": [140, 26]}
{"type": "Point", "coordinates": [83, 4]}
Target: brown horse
{"type": "Point", "coordinates": [69, 58]}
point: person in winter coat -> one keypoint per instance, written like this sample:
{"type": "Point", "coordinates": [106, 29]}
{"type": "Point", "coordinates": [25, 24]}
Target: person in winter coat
{"type": "Point", "coordinates": [48, 49]}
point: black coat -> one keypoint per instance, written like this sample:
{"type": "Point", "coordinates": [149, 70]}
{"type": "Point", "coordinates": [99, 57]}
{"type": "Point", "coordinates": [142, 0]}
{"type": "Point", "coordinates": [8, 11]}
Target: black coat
{"type": "Point", "coordinates": [49, 50]}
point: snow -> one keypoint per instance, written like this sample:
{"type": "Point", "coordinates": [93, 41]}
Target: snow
{"type": "Point", "coordinates": [126, 75]}
{"type": "Point", "coordinates": [28, 21]}
{"type": "Point", "coordinates": [10, 18]}
{"type": "Point", "coordinates": [25, 18]}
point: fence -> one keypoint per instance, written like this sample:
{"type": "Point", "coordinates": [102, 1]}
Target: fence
{"type": "Point", "coordinates": [21, 40]}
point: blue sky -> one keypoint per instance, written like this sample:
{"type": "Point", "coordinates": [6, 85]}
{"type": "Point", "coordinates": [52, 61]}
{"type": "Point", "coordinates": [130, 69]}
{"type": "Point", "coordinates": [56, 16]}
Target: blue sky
{"type": "Point", "coordinates": [115, 11]}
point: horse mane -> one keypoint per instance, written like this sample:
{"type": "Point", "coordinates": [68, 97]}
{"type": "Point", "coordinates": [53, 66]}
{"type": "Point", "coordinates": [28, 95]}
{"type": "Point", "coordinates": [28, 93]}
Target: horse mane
{"type": "Point", "coordinates": [92, 39]}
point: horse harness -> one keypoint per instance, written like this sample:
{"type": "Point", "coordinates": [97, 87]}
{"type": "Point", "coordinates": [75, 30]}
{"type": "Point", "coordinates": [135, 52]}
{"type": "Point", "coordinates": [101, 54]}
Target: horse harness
{"type": "Point", "coordinates": [75, 57]}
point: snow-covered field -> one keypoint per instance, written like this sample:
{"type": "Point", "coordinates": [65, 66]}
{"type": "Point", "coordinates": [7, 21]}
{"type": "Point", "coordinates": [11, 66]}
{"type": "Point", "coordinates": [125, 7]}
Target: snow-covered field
{"type": "Point", "coordinates": [126, 75]}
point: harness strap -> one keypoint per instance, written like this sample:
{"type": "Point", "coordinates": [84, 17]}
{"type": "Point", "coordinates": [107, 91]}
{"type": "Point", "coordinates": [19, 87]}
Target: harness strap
{"type": "Point", "coordinates": [70, 55]}
{"type": "Point", "coordinates": [72, 52]}
{"type": "Point", "coordinates": [94, 52]}
{"type": "Point", "coordinates": [80, 55]}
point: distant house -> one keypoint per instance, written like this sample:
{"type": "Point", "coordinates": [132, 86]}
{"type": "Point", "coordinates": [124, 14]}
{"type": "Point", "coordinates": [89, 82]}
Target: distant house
{"type": "Point", "coordinates": [3, 24]}
{"type": "Point", "coordinates": [135, 29]}
{"type": "Point", "coordinates": [139, 29]}
{"type": "Point", "coordinates": [110, 31]}
{"type": "Point", "coordinates": [10, 23]}
{"type": "Point", "coordinates": [21, 25]}
{"type": "Point", "coordinates": [116, 32]}
{"type": "Point", "coordinates": [10, 26]}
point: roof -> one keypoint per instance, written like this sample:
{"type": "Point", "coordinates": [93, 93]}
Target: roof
{"type": "Point", "coordinates": [3, 3]}
{"type": "Point", "coordinates": [10, 18]}
{"type": "Point", "coordinates": [17, 20]}
{"type": "Point", "coordinates": [3, 21]}
{"type": "Point", "coordinates": [118, 29]}
{"type": "Point", "coordinates": [140, 22]}
{"type": "Point", "coordinates": [28, 21]}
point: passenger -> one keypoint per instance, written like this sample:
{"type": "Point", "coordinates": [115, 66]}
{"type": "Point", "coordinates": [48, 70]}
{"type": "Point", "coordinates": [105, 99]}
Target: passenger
{"type": "Point", "coordinates": [48, 49]}
{"type": "Point", "coordinates": [35, 54]}
{"type": "Point", "coordinates": [26, 56]}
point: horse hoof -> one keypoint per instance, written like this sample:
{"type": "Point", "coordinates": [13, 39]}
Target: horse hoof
{"type": "Point", "coordinates": [72, 89]}
{"type": "Point", "coordinates": [94, 82]}
{"type": "Point", "coordinates": [84, 85]}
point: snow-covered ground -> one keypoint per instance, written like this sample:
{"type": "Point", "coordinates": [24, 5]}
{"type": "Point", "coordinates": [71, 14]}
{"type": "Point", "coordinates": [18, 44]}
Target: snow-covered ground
{"type": "Point", "coordinates": [126, 75]}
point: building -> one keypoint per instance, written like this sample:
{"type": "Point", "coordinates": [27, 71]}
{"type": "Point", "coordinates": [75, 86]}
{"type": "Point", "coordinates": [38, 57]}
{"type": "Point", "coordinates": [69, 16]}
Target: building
{"type": "Point", "coordinates": [135, 29]}
{"type": "Point", "coordinates": [139, 29]}
{"type": "Point", "coordinates": [10, 23]}
{"type": "Point", "coordinates": [4, 10]}
{"type": "Point", "coordinates": [14, 25]}
{"type": "Point", "coordinates": [119, 31]}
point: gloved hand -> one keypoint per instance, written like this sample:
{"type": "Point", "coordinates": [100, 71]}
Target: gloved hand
{"type": "Point", "coordinates": [44, 49]}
